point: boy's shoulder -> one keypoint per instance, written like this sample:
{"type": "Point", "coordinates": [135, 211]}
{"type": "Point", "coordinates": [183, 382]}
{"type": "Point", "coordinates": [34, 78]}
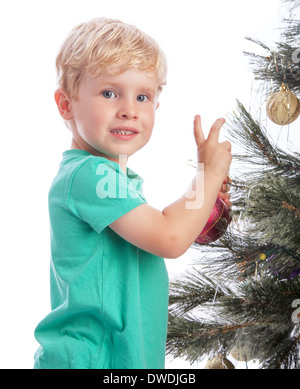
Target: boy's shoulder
{"type": "Point", "coordinates": [82, 173]}
{"type": "Point", "coordinates": [81, 163]}
{"type": "Point", "coordinates": [79, 170]}
{"type": "Point", "coordinates": [94, 189]}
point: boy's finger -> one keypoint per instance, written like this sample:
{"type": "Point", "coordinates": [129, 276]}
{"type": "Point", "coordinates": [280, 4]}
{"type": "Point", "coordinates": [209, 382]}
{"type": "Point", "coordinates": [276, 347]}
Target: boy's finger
{"type": "Point", "coordinates": [215, 130]}
{"type": "Point", "coordinates": [198, 133]}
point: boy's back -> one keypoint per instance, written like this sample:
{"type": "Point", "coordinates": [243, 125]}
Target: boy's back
{"type": "Point", "coordinates": [109, 299]}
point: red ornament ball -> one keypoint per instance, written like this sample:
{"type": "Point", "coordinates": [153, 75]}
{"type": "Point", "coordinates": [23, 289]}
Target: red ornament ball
{"type": "Point", "coordinates": [216, 225]}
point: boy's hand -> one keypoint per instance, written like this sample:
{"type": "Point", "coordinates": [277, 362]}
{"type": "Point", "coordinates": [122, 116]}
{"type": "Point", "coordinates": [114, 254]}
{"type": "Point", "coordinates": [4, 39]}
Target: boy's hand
{"type": "Point", "coordinates": [224, 192]}
{"type": "Point", "coordinates": [215, 156]}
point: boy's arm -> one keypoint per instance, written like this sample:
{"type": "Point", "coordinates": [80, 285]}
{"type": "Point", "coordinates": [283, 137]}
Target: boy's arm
{"type": "Point", "coordinates": [169, 233]}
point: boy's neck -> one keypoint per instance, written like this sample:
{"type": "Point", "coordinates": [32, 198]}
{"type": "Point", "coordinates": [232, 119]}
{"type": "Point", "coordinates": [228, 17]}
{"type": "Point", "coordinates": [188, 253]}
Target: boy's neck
{"type": "Point", "coordinates": [121, 160]}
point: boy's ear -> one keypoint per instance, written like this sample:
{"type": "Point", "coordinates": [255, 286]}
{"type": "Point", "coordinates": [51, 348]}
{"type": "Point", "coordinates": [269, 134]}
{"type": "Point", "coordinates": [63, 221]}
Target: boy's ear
{"type": "Point", "coordinates": [63, 103]}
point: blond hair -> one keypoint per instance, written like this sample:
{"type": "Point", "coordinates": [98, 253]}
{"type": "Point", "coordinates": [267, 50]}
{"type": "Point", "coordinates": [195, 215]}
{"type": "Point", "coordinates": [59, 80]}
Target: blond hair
{"type": "Point", "coordinates": [94, 47]}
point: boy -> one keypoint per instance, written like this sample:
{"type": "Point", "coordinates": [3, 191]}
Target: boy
{"type": "Point", "coordinates": [109, 285]}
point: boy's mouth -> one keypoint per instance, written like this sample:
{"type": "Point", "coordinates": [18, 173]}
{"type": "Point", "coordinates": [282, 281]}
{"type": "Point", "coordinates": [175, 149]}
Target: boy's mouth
{"type": "Point", "coordinates": [124, 131]}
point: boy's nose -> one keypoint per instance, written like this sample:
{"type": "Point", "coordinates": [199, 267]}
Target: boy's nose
{"type": "Point", "coordinates": [128, 111]}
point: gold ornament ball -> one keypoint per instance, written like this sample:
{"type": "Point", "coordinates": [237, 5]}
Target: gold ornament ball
{"type": "Point", "coordinates": [262, 256]}
{"type": "Point", "coordinates": [219, 362]}
{"type": "Point", "coordinates": [283, 107]}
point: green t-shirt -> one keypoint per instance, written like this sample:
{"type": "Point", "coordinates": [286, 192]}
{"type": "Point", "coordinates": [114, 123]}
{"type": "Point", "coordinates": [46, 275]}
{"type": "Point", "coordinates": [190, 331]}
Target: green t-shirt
{"type": "Point", "coordinates": [109, 299]}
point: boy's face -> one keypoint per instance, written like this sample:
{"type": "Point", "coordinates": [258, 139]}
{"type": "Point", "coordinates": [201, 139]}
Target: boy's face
{"type": "Point", "coordinates": [114, 114]}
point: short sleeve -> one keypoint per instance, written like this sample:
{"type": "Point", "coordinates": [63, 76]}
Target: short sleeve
{"type": "Point", "coordinates": [100, 193]}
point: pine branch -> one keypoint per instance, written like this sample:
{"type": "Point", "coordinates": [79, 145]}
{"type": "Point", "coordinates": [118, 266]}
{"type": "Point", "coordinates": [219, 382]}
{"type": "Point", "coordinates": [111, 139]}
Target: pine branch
{"type": "Point", "coordinates": [291, 208]}
{"type": "Point", "coordinates": [184, 294]}
{"type": "Point", "coordinates": [281, 63]}
{"type": "Point", "coordinates": [270, 203]}
{"type": "Point", "coordinates": [259, 310]}
{"type": "Point", "coordinates": [287, 356]}
{"type": "Point", "coordinates": [237, 256]}
{"type": "Point", "coordinates": [293, 4]}
{"type": "Point", "coordinates": [233, 257]}
{"type": "Point", "coordinates": [190, 338]}
{"type": "Point", "coordinates": [275, 67]}
{"type": "Point", "coordinates": [264, 300]}
{"type": "Point", "coordinates": [247, 133]}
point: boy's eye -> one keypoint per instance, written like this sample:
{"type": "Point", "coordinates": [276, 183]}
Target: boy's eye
{"type": "Point", "coordinates": [142, 98]}
{"type": "Point", "coordinates": [109, 94]}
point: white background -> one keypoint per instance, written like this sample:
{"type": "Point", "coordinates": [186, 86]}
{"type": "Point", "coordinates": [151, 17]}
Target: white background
{"type": "Point", "coordinates": [203, 42]}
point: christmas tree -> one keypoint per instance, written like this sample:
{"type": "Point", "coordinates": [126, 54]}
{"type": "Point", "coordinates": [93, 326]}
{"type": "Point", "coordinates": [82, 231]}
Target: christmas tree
{"type": "Point", "coordinates": [241, 300]}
